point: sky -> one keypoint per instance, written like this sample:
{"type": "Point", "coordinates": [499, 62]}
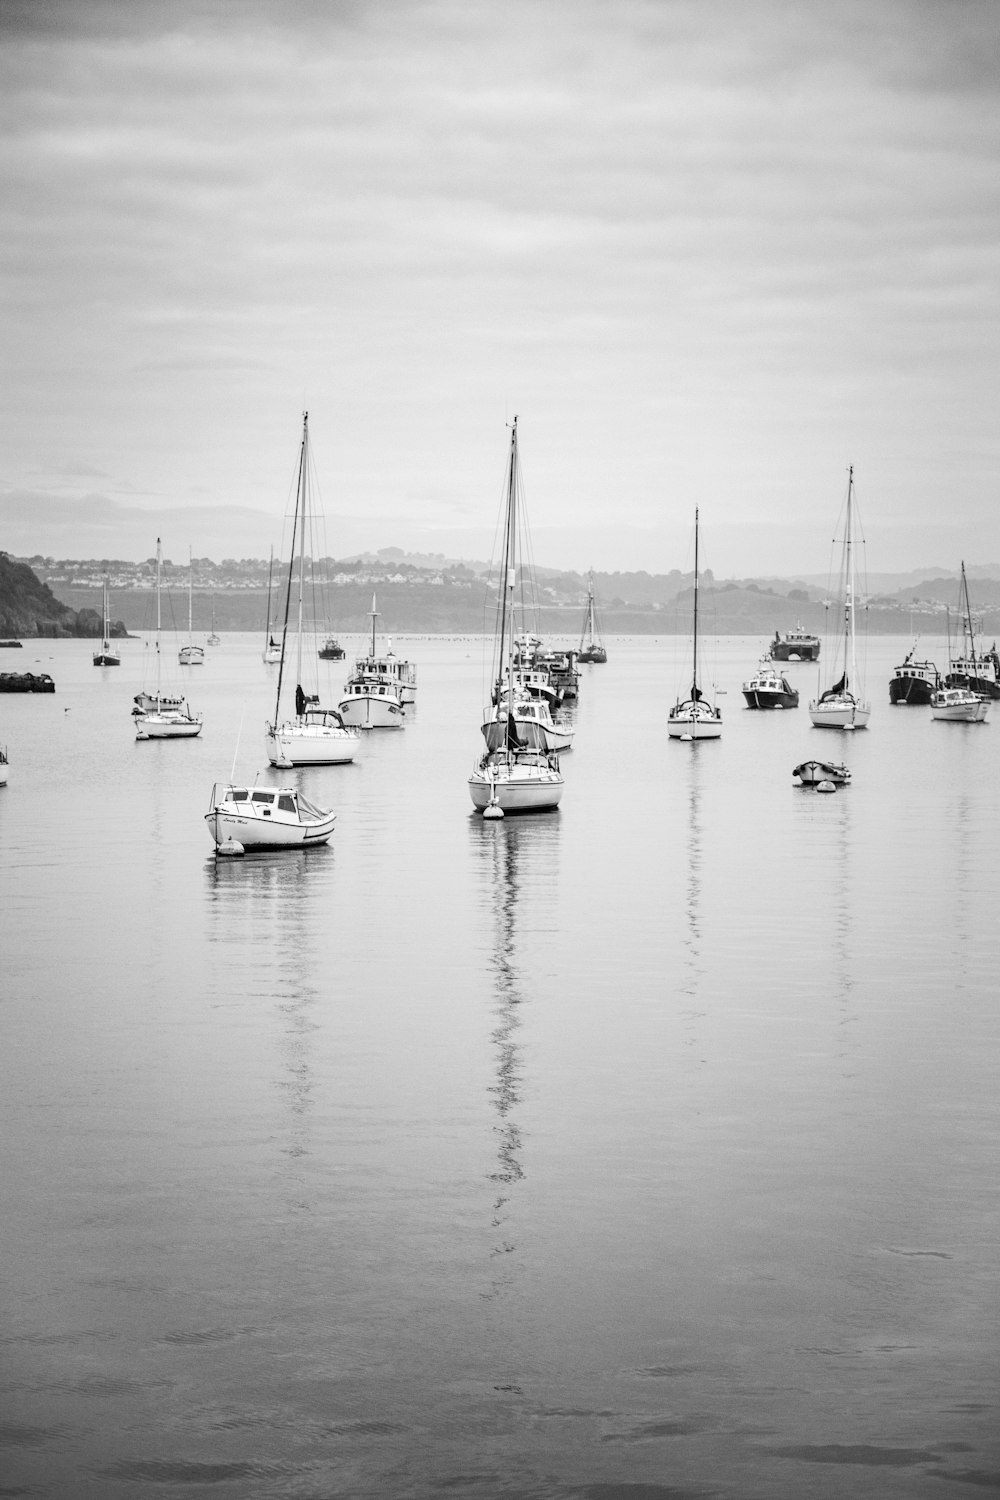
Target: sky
{"type": "Point", "coordinates": [710, 252]}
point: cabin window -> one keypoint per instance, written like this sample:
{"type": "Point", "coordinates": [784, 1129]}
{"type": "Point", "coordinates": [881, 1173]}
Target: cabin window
{"type": "Point", "coordinates": [286, 804]}
{"type": "Point", "coordinates": [262, 797]}
{"type": "Point", "coordinates": [238, 794]}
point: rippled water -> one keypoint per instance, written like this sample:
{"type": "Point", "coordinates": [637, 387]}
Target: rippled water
{"type": "Point", "coordinates": [644, 1149]}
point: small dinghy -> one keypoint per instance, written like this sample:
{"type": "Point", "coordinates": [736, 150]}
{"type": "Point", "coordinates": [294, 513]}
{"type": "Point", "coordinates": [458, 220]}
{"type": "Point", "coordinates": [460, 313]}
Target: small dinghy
{"type": "Point", "coordinates": [813, 772]}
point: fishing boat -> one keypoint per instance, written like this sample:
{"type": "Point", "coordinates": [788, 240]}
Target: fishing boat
{"type": "Point", "coordinates": [591, 646]}
{"type": "Point", "coordinates": [843, 705]}
{"type": "Point", "coordinates": [959, 705]}
{"type": "Point", "coordinates": [977, 670]}
{"type": "Point", "coordinates": [769, 688]}
{"type": "Point", "coordinates": [159, 715]}
{"type": "Point", "coordinates": [107, 656]}
{"type": "Point", "coordinates": [914, 681]}
{"type": "Point", "coordinates": [536, 724]}
{"type": "Point", "coordinates": [257, 817]}
{"type": "Point", "coordinates": [794, 645]}
{"type": "Point", "coordinates": [272, 646]}
{"type": "Point", "coordinates": [513, 775]}
{"type": "Point", "coordinates": [332, 650]}
{"type": "Point", "coordinates": [373, 694]}
{"type": "Point", "coordinates": [693, 717]}
{"type": "Point", "coordinates": [191, 655]}
{"type": "Point", "coordinates": [313, 735]}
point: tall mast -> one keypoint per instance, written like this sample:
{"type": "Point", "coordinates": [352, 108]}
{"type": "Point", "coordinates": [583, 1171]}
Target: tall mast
{"type": "Point", "coordinates": [849, 646]}
{"type": "Point", "coordinates": [291, 563]}
{"type": "Point", "coordinates": [374, 615]}
{"type": "Point", "coordinates": [303, 527]}
{"type": "Point", "coordinates": [267, 622]}
{"type": "Point", "coordinates": [694, 670]}
{"type": "Point", "coordinates": [510, 553]}
{"type": "Point", "coordinates": [159, 551]}
{"type": "Point", "coordinates": [190, 591]}
{"type": "Point", "coordinates": [967, 622]}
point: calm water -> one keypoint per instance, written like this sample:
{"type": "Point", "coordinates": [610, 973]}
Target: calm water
{"type": "Point", "coordinates": [647, 1149]}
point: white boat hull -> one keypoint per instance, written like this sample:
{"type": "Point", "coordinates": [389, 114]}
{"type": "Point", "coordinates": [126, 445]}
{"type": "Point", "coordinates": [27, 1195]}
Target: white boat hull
{"type": "Point", "coordinates": [371, 711]}
{"type": "Point", "coordinates": [191, 656]}
{"type": "Point", "coordinates": [294, 744]}
{"type": "Point", "coordinates": [839, 713]}
{"type": "Point", "coordinates": [166, 726]}
{"type": "Point", "coordinates": [959, 706]}
{"type": "Point", "coordinates": [265, 825]}
{"type": "Point", "coordinates": [516, 788]}
{"type": "Point", "coordinates": [694, 721]}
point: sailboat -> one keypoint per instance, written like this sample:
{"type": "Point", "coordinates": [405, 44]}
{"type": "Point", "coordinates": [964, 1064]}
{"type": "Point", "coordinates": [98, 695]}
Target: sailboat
{"type": "Point", "coordinates": [373, 694]}
{"type": "Point", "coordinates": [514, 774]}
{"type": "Point", "coordinates": [979, 671]}
{"type": "Point", "coordinates": [214, 639]}
{"type": "Point", "coordinates": [159, 715]}
{"type": "Point", "coordinates": [272, 648]}
{"type": "Point", "coordinates": [107, 656]}
{"type": "Point", "coordinates": [191, 655]}
{"type": "Point", "coordinates": [312, 735]}
{"type": "Point", "coordinates": [591, 646]}
{"type": "Point", "coordinates": [693, 717]}
{"type": "Point", "coordinates": [842, 705]}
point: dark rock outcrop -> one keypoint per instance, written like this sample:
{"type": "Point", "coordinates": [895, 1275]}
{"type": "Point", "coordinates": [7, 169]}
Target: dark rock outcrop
{"type": "Point", "coordinates": [29, 609]}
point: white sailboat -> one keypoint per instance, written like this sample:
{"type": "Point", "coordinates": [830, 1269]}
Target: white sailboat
{"type": "Point", "coordinates": [272, 647]}
{"type": "Point", "coordinates": [214, 639]}
{"type": "Point", "coordinates": [159, 715]}
{"type": "Point", "coordinates": [843, 705]}
{"type": "Point", "coordinates": [312, 735]}
{"type": "Point", "coordinates": [373, 694]}
{"type": "Point", "coordinates": [514, 774]}
{"type": "Point", "coordinates": [978, 671]}
{"type": "Point", "coordinates": [693, 717]}
{"type": "Point", "coordinates": [191, 655]}
{"type": "Point", "coordinates": [107, 656]}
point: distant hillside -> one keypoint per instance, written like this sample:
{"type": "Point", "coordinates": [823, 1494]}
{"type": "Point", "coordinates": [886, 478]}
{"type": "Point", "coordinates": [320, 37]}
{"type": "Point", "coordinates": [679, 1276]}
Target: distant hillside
{"type": "Point", "coordinates": [28, 608]}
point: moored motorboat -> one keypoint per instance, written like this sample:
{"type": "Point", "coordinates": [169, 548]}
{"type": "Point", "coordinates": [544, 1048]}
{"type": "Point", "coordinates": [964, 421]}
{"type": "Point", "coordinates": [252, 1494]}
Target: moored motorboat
{"type": "Point", "coordinates": [794, 645]}
{"type": "Point", "coordinates": [258, 817]}
{"type": "Point", "coordinates": [693, 717]}
{"type": "Point", "coordinates": [371, 705]}
{"type": "Point", "coordinates": [812, 772]}
{"type": "Point", "coordinates": [959, 705]}
{"type": "Point", "coordinates": [913, 681]}
{"type": "Point", "coordinates": [535, 723]}
{"type": "Point", "coordinates": [843, 705]}
{"type": "Point", "coordinates": [332, 650]}
{"type": "Point", "coordinates": [769, 688]}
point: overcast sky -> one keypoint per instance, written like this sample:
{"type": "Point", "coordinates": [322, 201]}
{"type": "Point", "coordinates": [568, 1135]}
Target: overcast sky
{"type": "Point", "coordinates": [710, 254]}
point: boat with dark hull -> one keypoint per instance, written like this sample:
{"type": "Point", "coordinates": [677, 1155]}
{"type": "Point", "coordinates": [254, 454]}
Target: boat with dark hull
{"type": "Point", "coordinates": [769, 688]}
{"type": "Point", "coordinates": [794, 645]}
{"type": "Point", "coordinates": [592, 648]}
{"type": "Point", "coordinates": [914, 681]}
{"type": "Point", "coordinates": [813, 772]}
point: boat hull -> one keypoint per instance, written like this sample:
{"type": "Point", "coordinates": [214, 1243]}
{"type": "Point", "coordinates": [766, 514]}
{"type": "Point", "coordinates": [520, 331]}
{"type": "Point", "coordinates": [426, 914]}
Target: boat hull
{"type": "Point", "coordinates": [106, 659]}
{"type": "Point", "coordinates": [191, 656]}
{"type": "Point", "coordinates": [812, 772]}
{"type": "Point", "coordinates": [521, 789]}
{"type": "Point", "coordinates": [759, 698]}
{"type": "Point", "coordinates": [986, 687]}
{"type": "Point", "coordinates": [371, 711]}
{"type": "Point", "coordinates": [258, 833]}
{"type": "Point", "coordinates": [166, 727]}
{"type": "Point", "coordinates": [959, 706]}
{"type": "Point", "coordinates": [908, 687]}
{"type": "Point", "coordinates": [694, 721]}
{"type": "Point", "coordinates": [839, 713]}
{"type": "Point", "coordinates": [310, 745]}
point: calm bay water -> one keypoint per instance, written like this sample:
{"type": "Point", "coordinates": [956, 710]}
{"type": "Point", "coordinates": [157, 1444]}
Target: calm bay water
{"type": "Point", "coordinates": [644, 1149]}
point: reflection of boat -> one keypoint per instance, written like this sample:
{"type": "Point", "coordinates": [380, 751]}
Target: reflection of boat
{"type": "Point", "coordinates": [769, 688]}
{"type": "Point", "coordinates": [591, 646]}
{"type": "Point", "coordinates": [272, 647]}
{"type": "Point", "coordinates": [913, 681]}
{"type": "Point", "coordinates": [313, 735]}
{"type": "Point", "coordinates": [842, 705]}
{"type": "Point", "coordinates": [191, 655]}
{"type": "Point", "coordinates": [260, 817]}
{"type": "Point", "coordinates": [977, 670]}
{"type": "Point", "coordinates": [959, 705]}
{"type": "Point", "coordinates": [513, 775]}
{"type": "Point", "coordinates": [812, 772]}
{"type": "Point", "coordinates": [107, 656]}
{"type": "Point", "coordinates": [693, 718]}
{"type": "Point", "coordinates": [794, 645]}
{"type": "Point", "coordinates": [159, 715]}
